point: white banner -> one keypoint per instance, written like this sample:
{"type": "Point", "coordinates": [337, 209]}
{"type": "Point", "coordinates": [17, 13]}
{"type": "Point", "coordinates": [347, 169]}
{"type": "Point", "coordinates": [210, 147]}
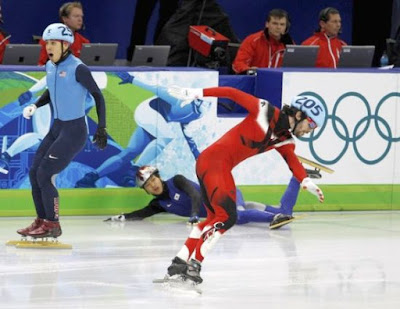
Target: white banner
{"type": "Point", "coordinates": [360, 139]}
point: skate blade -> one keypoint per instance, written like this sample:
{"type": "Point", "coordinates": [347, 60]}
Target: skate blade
{"type": "Point", "coordinates": [278, 225]}
{"type": "Point", "coordinates": [179, 284]}
{"type": "Point", "coordinates": [21, 241]}
{"type": "Point", "coordinates": [14, 242]}
{"type": "Point", "coordinates": [41, 244]}
{"type": "Point", "coordinates": [316, 165]}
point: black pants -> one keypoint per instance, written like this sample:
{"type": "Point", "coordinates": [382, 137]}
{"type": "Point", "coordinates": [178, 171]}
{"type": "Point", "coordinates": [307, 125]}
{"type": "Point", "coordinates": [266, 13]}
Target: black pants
{"type": "Point", "coordinates": [143, 11]}
{"type": "Point", "coordinates": [63, 142]}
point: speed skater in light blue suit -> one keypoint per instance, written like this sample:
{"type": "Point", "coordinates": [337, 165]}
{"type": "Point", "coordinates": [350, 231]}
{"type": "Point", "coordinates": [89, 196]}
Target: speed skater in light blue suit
{"type": "Point", "coordinates": [153, 133]}
{"type": "Point", "coordinates": [69, 81]}
{"type": "Point", "coordinates": [41, 120]}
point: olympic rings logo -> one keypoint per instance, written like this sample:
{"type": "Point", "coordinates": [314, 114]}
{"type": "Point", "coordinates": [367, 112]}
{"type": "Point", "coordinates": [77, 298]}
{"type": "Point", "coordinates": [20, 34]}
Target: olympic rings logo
{"type": "Point", "coordinates": [382, 127]}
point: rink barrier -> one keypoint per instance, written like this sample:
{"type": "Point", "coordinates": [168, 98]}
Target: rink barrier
{"type": "Point", "coordinates": [112, 201]}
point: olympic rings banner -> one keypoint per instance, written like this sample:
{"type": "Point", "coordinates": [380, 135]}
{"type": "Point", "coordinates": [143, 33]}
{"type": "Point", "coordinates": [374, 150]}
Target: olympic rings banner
{"type": "Point", "coordinates": [360, 138]}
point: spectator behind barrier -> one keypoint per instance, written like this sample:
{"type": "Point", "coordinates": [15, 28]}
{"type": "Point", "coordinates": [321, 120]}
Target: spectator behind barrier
{"type": "Point", "coordinates": [326, 37]}
{"type": "Point", "coordinates": [143, 11]}
{"type": "Point", "coordinates": [265, 48]}
{"type": "Point", "coordinates": [4, 36]}
{"type": "Point", "coordinates": [393, 49]}
{"type": "Point", "coordinates": [70, 14]}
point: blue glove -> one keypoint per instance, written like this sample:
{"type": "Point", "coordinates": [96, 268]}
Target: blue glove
{"type": "Point", "coordinates": [25, 97]}
{"type": "Point", "coordinates": [125, 78]}
{"type": "Point", "coordinates": [194, 220]}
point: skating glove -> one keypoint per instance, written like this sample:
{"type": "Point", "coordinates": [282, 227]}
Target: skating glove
{"type": "Point", "coordinates": [29, 111]}
{"type": "Point", "coordinates": [25, 97]}
{"type": "Point", "coordinates": [185, 94]}
{"type": "Point", "coordinates": [311, 187]}
{"type": "Point", "coordinates": [100, 138]}
{"type": "Point", "coordinates": [125, 77]}
{"type": "Point", "coordinates": [194, 220]}
{"type": "Point", "coordinates": [119, 218]}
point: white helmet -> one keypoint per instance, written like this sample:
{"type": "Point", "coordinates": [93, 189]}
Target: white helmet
{"type": "Point", "coordinates": [144, 173]}
{"type": "Point", "coordinates": [311, 106]}
{"type": "Point", "coordinates": [58, 31]}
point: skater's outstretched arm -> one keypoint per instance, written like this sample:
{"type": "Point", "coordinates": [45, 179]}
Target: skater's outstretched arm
{"type": "Point", "coordinates": [249, 102]}
{"type": "Point", "coordinates": [151, 209]}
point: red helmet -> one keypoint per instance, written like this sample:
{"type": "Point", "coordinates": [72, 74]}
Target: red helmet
{"type": "Point", "coordinates": [144, 173]}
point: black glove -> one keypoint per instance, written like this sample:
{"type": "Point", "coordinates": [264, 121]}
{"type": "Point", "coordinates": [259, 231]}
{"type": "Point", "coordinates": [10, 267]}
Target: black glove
{"type": "Point", "coordinates": [100, 138]}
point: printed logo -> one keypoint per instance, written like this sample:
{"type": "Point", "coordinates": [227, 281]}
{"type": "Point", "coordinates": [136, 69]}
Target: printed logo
{"type": "Point", "coordinates": [52, 157]}
{"type": "Point", "coordinates": [177, 197]}
{"type": "Point", "coordinates": [56, 207]}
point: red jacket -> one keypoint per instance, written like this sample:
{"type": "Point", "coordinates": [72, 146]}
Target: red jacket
{"type": "Point", "coordinates": [3, 43]}
{"type": "Point", "coordinates": [258, 51]}
{"type": "Point", "coordinates": [329, 49]}
{"type": "Point", "coordinates": [75, 48]}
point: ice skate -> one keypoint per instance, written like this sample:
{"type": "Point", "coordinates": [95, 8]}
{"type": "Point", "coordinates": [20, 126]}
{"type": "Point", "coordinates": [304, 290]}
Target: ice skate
{"type": "Point", "coordinates": [25, 231]}
{"type": "Point", "coordinates": [280, 220]}
{"type": "Point", "coordinates": [88, 181]}
{"type": "Point", "coordinates": [182, 275]}
{"type": "Point", "coordinates": [314, 174]}
{"type": "Point", "coordinates": [178, 267]}
{"type": "Point", "coordinates": [49, 239]}
{"type": "Point", "coordinates": [193, 272]}
{"type": "Point", "coordinates": [47, 229]}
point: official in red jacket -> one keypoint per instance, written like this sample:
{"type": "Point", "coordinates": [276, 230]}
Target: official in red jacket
{"type": "Point", "coordinates": [264, 49]}
{"type": "Point", "coordinates": [71, 14]}
{"type": "Point", "coordinates": [326, 37]}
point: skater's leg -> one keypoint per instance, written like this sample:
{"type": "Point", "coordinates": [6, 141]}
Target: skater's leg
{"type": "Point", "coordinates": [253, 215]}
{"type": "Point", "coordinates": [288, 199]}
{"type": "Point", "coordinates": [36, 191]}
{"type": "Point", "coordinates": [70, 139]}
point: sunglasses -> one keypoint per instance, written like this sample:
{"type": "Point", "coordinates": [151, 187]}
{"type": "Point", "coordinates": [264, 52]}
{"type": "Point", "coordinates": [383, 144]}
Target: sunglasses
{"type": "Point", "coordinates": [311, 123]}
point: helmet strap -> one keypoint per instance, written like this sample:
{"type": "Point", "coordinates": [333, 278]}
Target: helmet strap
{"type": "Point", "coordinates": [64, 53]}
{"type": "Point", "coordinates": [296, 122]}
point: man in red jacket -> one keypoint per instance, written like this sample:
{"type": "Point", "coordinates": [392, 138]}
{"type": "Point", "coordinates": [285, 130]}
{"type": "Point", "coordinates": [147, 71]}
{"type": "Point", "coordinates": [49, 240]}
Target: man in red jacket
{"type": "Point", "coordinates": [71, 14]}
{"type": "Point", "coordinates": [264, 49]}
{"type": "Point", "coordinates": [266, 127]}
{"type": "Point", "coordinates": [326, 37]}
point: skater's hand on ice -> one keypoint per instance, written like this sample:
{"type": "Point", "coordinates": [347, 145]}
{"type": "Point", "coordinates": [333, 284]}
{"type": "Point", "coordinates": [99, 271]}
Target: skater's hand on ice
{"type": "Point", "coordinates": [117, 218]}
{"type": "Point", "coordinates": [125, 77]}
{"type": "Point", "coordinates": [194, 220]}
{"type": "Point", "coordinates": [29, 111]}
{"type": "Point", "coordinates": [187, 95]}
{"type": "Point", "coordinates": [25, 97]}
{"type": "Point", "coordinates": [311, 187]}
{"type": "Point", "coordinates": [100, 138]}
